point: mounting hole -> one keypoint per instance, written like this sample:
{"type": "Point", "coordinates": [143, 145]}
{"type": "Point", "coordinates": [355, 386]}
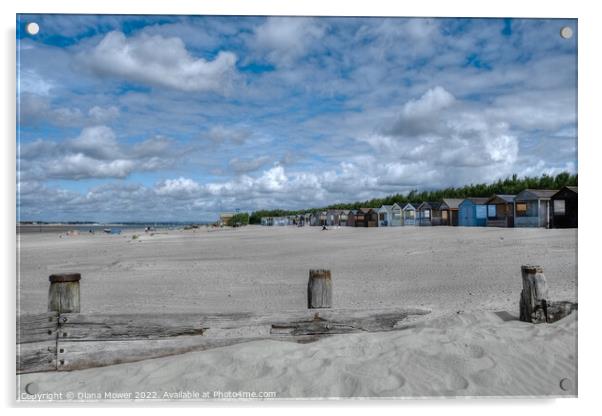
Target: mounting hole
{"type": "Point", "coordinates": [49, 332]}
{"type": "Point", "coordinates": [32, 388]}
{"type": "Point", "coordinates": [566, 32]}
{"type": "Point", "coordinates": [32, 28]}
{"type": "Point", "coordinates": [566, 384]}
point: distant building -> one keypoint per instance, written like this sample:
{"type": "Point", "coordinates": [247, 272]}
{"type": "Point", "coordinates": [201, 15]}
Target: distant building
{"type": "Point", "coordinates": [532, 208]}
{"type": "Point", "coordinates": [224, 217]}
{"type": "Point", "coordinates": [453, 208]}
{"type": "Point", "coordinates": [366, 217]}
{"type": "Point", "coordinates": [409, 215]}
{"type": "Point", "coordinates": [500, 211]}
{"type": "Point", "coordinates": [389, 216]}
{"type": "Point", "coordinates": [473, 212]}
{"type": "Point", "coordinates": [564, 208]}
{"type": "Point", "coordinates": [384, 215]}
{"type": "Point", "coordinates": [433, 213]}
{"type": "Point", "coordinates": [281, 221]}
{"type": "Point", "coordinates": [336, 217]}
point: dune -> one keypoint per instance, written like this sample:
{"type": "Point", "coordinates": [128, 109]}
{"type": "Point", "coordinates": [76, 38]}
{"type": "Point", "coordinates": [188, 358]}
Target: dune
{"type": "Point", "coordinates": [461, 354]}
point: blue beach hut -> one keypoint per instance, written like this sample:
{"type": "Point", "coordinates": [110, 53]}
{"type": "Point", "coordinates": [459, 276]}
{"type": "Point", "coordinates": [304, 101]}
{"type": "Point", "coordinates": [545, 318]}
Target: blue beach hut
{"type": "Point", "coordinates": [473, 212]}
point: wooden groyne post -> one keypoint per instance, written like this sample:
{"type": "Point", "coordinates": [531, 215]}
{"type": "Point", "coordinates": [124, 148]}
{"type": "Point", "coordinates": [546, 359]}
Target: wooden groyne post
{"type": "Point", "coordinates": [535, 304]}
{"type": "Point", "coordinates": [63, 294]}
{"type": "Point", "coordinates": [319, 289]}
{"type": "Point", "coordinates": [534, 296]}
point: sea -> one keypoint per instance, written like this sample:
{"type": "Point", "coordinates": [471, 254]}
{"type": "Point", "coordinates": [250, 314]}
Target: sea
{"type": "Point", "coordinates": [114, 227]}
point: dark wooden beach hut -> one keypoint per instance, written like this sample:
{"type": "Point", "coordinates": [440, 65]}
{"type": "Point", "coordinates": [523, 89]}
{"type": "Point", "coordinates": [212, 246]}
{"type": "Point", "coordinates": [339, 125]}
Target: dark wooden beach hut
{"type": "Point", "coordinates": [351, 215]}
{"type": "Point", "coordinates": [473, 212]}
{"type": "Point", "coordinates": [453, 208]}
{"type": "Point", "coordinates": [564, 208]}
{"type": "Point", "coordinates": [500, 211]}
{"type": "Point", "coordinates": [336, 217]}
{"type": "Point", "coordinates": [532, 208]}
{"type": "Point", "coordinates": [366, 217]}
{"type": "Point", "coordinates": [433, 213]}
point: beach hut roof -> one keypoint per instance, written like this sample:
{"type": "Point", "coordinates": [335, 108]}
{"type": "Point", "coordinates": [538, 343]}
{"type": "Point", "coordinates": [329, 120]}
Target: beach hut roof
{"type": "Point", "coordinates": [572, 188]}
{"type": "Point", "coordinates": [477, 200]}
{"type": "Point", "coordinates": [453, 203]}
{"type": "Point", "coordinates": [408, 207]}
{"type": "Point", "coordinates": [502, 198]}
{"type": "Point", "coordinates": [531, 194]}
{"type": "Point", "coordinates": [431, 205]}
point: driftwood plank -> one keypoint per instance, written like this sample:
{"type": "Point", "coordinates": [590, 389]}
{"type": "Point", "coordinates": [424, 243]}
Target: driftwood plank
{"type": "Point", "coordinates": [33, 357]}
{"type": "Point", "coordinates": [116, 327]}
{"type": "Point", "coordinates": [37, 327]}
{"type": "Point", "coordinates": [77, 355]}
{"type": "Point", "coordinates": [85, 327]}
{"type": "Point", "coordinates": [318, 325]}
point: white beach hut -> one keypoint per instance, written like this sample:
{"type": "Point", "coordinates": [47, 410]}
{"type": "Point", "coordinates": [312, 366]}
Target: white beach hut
{"type": "Point", "coordinates": [408, 214]}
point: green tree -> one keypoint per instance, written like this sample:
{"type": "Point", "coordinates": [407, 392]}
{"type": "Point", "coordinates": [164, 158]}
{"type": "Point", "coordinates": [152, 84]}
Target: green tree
{"type": "Point", "coordinates": [238, 219]}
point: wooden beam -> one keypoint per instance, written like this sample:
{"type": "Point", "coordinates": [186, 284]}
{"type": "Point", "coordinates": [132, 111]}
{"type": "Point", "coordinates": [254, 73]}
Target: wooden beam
{"type": "Point", "coordinates": [74, 341]}
{"type": "Point", "coordinates": [34, 357]}
{"type": "Point", "coordinates": [37, 327]}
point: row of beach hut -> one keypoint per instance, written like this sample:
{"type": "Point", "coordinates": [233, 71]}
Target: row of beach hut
{"type": "Point", "coordinates": [529, 208]}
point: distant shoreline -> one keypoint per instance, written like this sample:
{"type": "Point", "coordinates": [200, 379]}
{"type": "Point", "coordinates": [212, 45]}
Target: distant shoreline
{"type": "Point", "coordinates": [96, 227]}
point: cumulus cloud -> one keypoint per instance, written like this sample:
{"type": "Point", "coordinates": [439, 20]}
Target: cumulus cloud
{"type": "Point", "coordinates": [247, 165]}
{"type": "Point", "coordinates": [103, 114]}
{"type": "Point", "coordinates": [177, 187]}
{"type": "Point", "coordinates": [227, 135]}
{"type": "Point", "coordinates": [80, 166]}
{"type": "Point", "coordinates": [32, 82]}
{"type": "Point", "coordinates": [445, 132]}
{"type": "Point", "coordinates": [95, 153]}
{"type": "Point", "coordinates": [159, 61]}
{"type": "Point", "coordinates": [285, 39]}
{"type": "Point", "coordinates": [35, 109]}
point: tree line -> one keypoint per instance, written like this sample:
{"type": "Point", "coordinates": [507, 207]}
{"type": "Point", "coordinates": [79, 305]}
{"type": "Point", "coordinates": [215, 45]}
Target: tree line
{"type": "Point", "coordinates": [511, 186]}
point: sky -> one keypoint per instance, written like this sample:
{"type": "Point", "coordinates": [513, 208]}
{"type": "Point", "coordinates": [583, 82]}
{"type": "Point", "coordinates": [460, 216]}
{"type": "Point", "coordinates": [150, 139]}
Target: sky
{"type": "Point", "coordinates": [177, 118]}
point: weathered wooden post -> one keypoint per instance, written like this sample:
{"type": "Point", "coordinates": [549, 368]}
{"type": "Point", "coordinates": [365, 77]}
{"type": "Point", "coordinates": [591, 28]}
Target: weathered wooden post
{"type": "Point", "coordinates": [63, 295]}
{"type": "Point", "coordinates": [319, 289]}
{"type": "Point", "coordinates": [534, 297]}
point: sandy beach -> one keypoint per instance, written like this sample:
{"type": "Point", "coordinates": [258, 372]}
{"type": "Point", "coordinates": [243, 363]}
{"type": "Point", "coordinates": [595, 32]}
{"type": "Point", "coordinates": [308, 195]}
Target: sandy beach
{"type": "Point", "coordinates": [470, 344]}
{"type": "Point", "coordinates": [266, 268]}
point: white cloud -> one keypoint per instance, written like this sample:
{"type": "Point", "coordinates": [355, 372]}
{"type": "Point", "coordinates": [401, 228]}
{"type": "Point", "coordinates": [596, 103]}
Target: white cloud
{"type": "Point", "coordinates": [177, 187]}
{"type": "Point", "coordinates": [95, 153]}
{"type": "Point", "coordinates": [285, 39]}
{"type": "Point", "coordinates": [103, 114]}
{"type": "Point", "coordinates": [35, 109]}
{"type": "Point", "coordinates": [247, 165]}
{"type": "Point", "coordinates": [80, 166]}
{"type": "Point", "coordinates": [160, 61]}
{"type": "Point", "coordinates": [32, 82]}
{"type": "Point", "coordinates": [227, 135]}
{"type": "Point", "coordinates": [98, 142]}
{"type": "Point", "coordinates": [446, 134]}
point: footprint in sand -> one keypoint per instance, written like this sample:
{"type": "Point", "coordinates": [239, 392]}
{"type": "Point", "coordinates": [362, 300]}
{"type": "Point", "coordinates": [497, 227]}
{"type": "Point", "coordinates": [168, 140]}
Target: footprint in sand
{"type": "Point", "coordinates": [312, 365]}
{"type": "Point", "coordinates": [475, 351]}
{"type": "Point", "coordinates": [455, 382]}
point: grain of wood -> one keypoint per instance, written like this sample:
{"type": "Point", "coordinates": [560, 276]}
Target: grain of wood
{"type": "Point", "coordinates": [319, 289]}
